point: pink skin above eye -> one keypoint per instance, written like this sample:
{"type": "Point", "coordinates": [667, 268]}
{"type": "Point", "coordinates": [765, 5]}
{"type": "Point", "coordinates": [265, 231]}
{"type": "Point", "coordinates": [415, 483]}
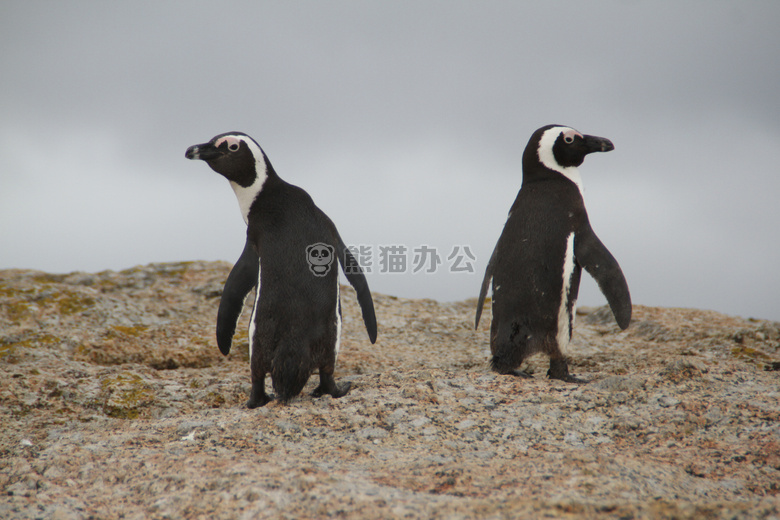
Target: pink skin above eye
{"type": "Point", "coordinates": [570, 134]}
{"type": "Point", "coordinates": [232, 142]}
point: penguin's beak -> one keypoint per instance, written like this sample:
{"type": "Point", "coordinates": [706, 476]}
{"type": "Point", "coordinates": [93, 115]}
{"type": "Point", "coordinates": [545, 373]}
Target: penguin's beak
{"type": "Point", "coordinates": [204, 152]}
{"type": "Point", "coordinates": [597, 144]}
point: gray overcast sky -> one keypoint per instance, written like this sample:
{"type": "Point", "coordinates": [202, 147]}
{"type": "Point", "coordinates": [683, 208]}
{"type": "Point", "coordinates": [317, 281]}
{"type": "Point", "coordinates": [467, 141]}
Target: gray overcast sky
{"type": "Point", "coordinates": [406, 122]}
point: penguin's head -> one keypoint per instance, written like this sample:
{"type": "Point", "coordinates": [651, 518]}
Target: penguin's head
{"type": "Point", "coordinates": [234, 155]}
{"type": "Point", "coordinates": [559, 147]}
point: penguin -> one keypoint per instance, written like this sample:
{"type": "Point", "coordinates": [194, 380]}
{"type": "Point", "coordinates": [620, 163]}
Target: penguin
{"type": "Point", "coordinates": [296, 319]}
{"type": "Point", "coordinates": [536, 265]}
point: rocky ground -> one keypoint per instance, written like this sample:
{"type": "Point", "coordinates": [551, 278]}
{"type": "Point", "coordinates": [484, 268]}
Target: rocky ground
{"type": "Point", "coordinates": [115, 403]}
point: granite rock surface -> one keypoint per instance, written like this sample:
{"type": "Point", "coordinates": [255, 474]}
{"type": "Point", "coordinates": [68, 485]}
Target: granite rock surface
{"type": "Point", "coordinates": [116, 403]}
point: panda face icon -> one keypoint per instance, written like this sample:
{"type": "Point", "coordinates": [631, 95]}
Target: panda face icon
{"type": "Point", "coordinates": [320, 257]}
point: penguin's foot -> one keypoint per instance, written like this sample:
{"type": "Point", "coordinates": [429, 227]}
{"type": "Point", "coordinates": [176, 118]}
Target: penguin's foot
{"type": "Point", "coordinates": [328, 386]}
{"type": "Point", "coordinates": [336, 392]}
{"type": "Point", "coordinates": [559, 369]}
{"type": "Point", "coordinates": [519, 373]}
{"type": "Point", "coordinates": [257, 403]}
{"type": "Point", "coordinates": [572, 379]}
{"type": "Point", "coordinates": [258, 397]}
{"type": "Point", "coordinates": [252, 403]}
{"type": "Point", "coordinates": [507, 367]}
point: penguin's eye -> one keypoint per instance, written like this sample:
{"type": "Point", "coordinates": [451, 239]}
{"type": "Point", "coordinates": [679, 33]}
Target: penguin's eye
{"type": "Point", "coordinates": [233, 143]}
{"type": "Point", "coordinates": [569, 135]}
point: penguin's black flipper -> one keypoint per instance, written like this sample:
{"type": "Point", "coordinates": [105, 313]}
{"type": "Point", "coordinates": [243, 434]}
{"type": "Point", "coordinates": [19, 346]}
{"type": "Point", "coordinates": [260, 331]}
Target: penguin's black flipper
{"type": "Point", "coordinates": [485, 285]}
{"type": "Point", "coordinates": [354, 274]}
{"type": "Point", "coordinates": [602, 266]}
{"type": "Point", "coordinates": [241, 280]}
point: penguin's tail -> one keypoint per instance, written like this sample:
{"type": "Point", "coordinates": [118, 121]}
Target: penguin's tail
{"type": "Point", "coordinates": [290, 370]}
{"type": "Point", "coordinates": [511, 344]}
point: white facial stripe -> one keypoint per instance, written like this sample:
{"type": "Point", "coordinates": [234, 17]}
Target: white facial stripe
{"type": "Point", "coordinates": [230, 140]}
{"type": "Point", "coordinates": [547, 158]}
{"type": "Point", "coordinates": [564, 318]}
{"type": "Point", "coordinates": [257, 153]}
{"type": "Point", "coordinates": [246, 196]}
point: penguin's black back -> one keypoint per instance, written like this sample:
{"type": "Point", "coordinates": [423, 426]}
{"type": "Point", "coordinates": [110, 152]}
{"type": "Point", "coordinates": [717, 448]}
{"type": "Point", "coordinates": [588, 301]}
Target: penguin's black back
{"type": "Point", "coordinates": [296, 315]}
{"type": "Point", "coordinates": [530, 254]}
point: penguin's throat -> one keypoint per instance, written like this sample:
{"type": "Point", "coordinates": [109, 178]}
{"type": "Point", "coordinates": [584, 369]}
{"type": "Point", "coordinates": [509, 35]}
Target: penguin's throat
{"type": "Point", "coordinates": [247, 195]}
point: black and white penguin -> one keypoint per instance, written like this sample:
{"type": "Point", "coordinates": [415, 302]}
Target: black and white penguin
{"type": "Point", "coordinates": [296, 321]}
{"type": "Point", "coordinates": [537, 262]}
